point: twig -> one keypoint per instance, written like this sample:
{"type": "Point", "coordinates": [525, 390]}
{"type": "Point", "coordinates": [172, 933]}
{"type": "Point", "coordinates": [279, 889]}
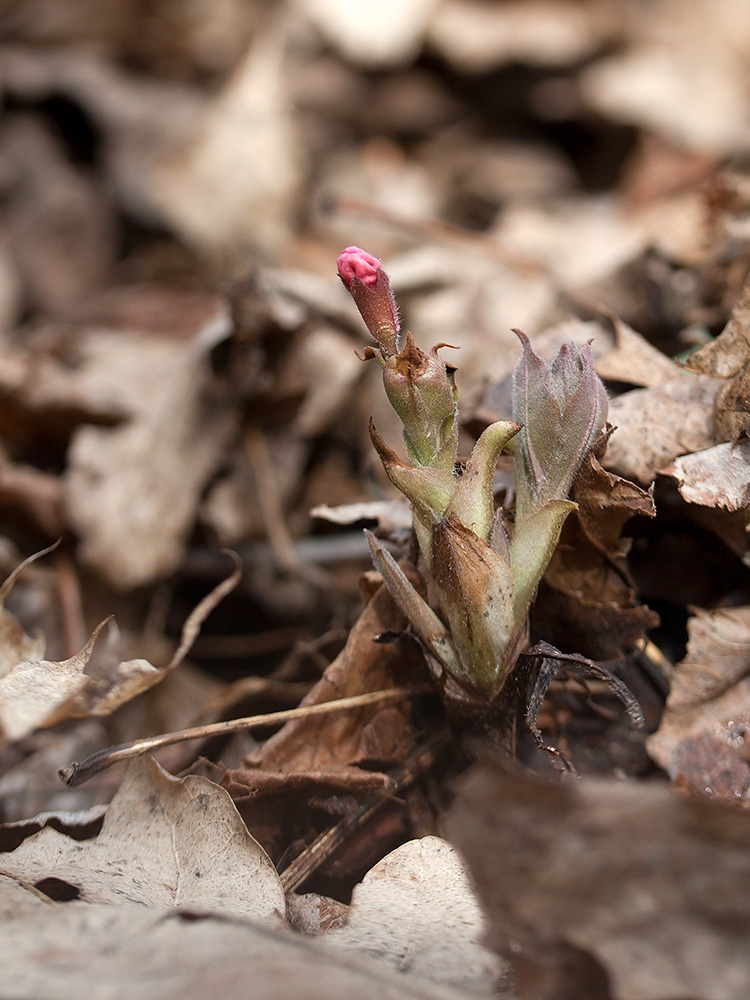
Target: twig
{"type": "Point", "coordinates": [77, 773]}
{"type": "Point", "coordinates": [324, 846]}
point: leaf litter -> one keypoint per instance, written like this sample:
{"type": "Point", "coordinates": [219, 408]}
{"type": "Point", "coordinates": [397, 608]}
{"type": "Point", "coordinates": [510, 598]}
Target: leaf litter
{"type": "Point", "coordinates": [179, 373]}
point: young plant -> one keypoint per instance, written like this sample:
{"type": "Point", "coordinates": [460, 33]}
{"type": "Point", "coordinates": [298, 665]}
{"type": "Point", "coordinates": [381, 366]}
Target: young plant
{"type": "Point", "coordinates": [484, 570]}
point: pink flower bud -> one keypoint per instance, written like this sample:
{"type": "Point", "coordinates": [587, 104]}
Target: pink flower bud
{"type": "Point", "coordinates": [368, 284]}
{"type": "Point", "coordinates": [357, 263]}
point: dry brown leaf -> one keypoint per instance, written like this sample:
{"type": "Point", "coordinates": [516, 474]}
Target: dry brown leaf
{"type": "Point", "coordinates": [165, 842]}
{"type": "Point", "coordinates": [36, 693]}
{"type": "Point", "coordinates": [656, 425]}
{"type": "Point", "coordinates": [716, 477]}
{"type": "Point", "coordinates": [60, 226]}
{"type": "Point", "coordinates": [578, 239]}
{"type": "Point", "coordinates": [391, 516]}
{"type": "Point", "coordinates": [364, 665]}
{"type": "Point", "coordinates": [308, 758]}
{"type": "Point", "coordinates": [15, 644]}
{"type": "Point", "coordinates": [606, 502]}
{"type": "Point", "coordinates": [682, 75]}
{"type": "Point", "coordinates": [610, 889]}
{"type": "Point", "coordinates": [233, 183]}
{"type": "Point", "coordinates": [701, 741]}
{"type": "Point", "coordinates": [78, 824]}
{"type": "Point", "coordinates": [729, 357]}
{"type": "Point", "coordinates": [18, 900]}
{"type": "Point", "coordinates": [730, 351]}
{"type": "Point", "coordinates": [635, 360]}
{"type": "Point", "coordinates": [66, 951]}
{"type": "Point", "coordinates": [131, 493]}
{"type": "Point", "coordinates": [589, 605]}
{"type": "Point", "coordinates": [417, 910]}
{"type": "Point", "coordinates": [327, 371]}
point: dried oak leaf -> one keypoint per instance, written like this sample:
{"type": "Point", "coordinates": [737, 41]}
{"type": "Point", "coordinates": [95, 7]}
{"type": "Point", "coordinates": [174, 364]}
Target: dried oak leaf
{"type": "Point", "coordinates": [164, 842]}
{"type": "Point", "coordinates": [728, 357]}
{"type": "Point", "coordinates": [36, 693]}
{"type": "Point", "coordinates": [608, 889]}
{"type": "Point", "coordinates": [701, 741]}
{"type": "Point", "coordinates": [344, 755]}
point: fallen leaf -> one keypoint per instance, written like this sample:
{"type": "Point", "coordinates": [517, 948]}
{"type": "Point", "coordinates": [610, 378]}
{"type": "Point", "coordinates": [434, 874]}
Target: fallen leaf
{"type": "Point", "coordinates": [60, 227]}
{"type": "Point", "coordinates": [165, 842]}
{"type": "Point", "coordinates": [601, 888]}
{"type": "Point", "coordinates": [66, 951]}
{"type": "Point", "coordinates": [15, 644]}
{"type": "Point", "coordinates": [716, 477]}
{"type": "Point", "coordinates": [590, 606]}
{"type": "Point", "coordinates": [417, 911]}
{"type": "Point", "coordinates": [701, 739]}
{"type": "Point", "coordinates": [633, 359]}
{"type": "Point", "coordinates": [195, 183]}
{"type": "Point", "coordinates": [728, 357]}
{"type": "Point", "coordinates": [730, 351]}
{"type": "Point", "coordinates": [681, 75]}
{"type": "Point", "coordinates": [18, 900]}
{"type": "Point", "coordinates": [308, 758]}
{"type": "Point", "coordinates": [130, 494]}
{"type": "Point", "coordinates": [391, 516]}
{"type": "Point", "coordinates": [605, 502]}
{"type": "Point", "coordinates": [36, 693]}
{"type": "Point", "coordinates": [656, 425]}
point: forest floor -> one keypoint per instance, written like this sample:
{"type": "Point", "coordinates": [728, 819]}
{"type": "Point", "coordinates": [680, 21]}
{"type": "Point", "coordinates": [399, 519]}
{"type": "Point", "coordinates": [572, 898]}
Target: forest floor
{"type": "Point", "coordinates": [186, 472]}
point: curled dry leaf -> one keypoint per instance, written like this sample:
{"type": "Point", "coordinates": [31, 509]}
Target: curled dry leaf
{"type": "Point", "coordinates": [391, 516]}
{"type": "Point", "coordinates": [15, 644]}
{"type": "Point", "coordinates": [610, 889]}
{"type": "Point", "coordinates": [36, 693]}
{"type": "Point", "coordinates": [165, 842]}
{"type": "Point", "coordinates": [701, 741]}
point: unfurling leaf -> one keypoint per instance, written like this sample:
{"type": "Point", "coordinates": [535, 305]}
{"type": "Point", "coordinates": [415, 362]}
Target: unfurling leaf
{"type": "Point", "coordinates": [563, 409]}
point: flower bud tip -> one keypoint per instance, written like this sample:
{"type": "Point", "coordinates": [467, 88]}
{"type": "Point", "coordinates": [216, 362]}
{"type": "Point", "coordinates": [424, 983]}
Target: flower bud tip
{"type": "Point", "coordinates": [357, 263]}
